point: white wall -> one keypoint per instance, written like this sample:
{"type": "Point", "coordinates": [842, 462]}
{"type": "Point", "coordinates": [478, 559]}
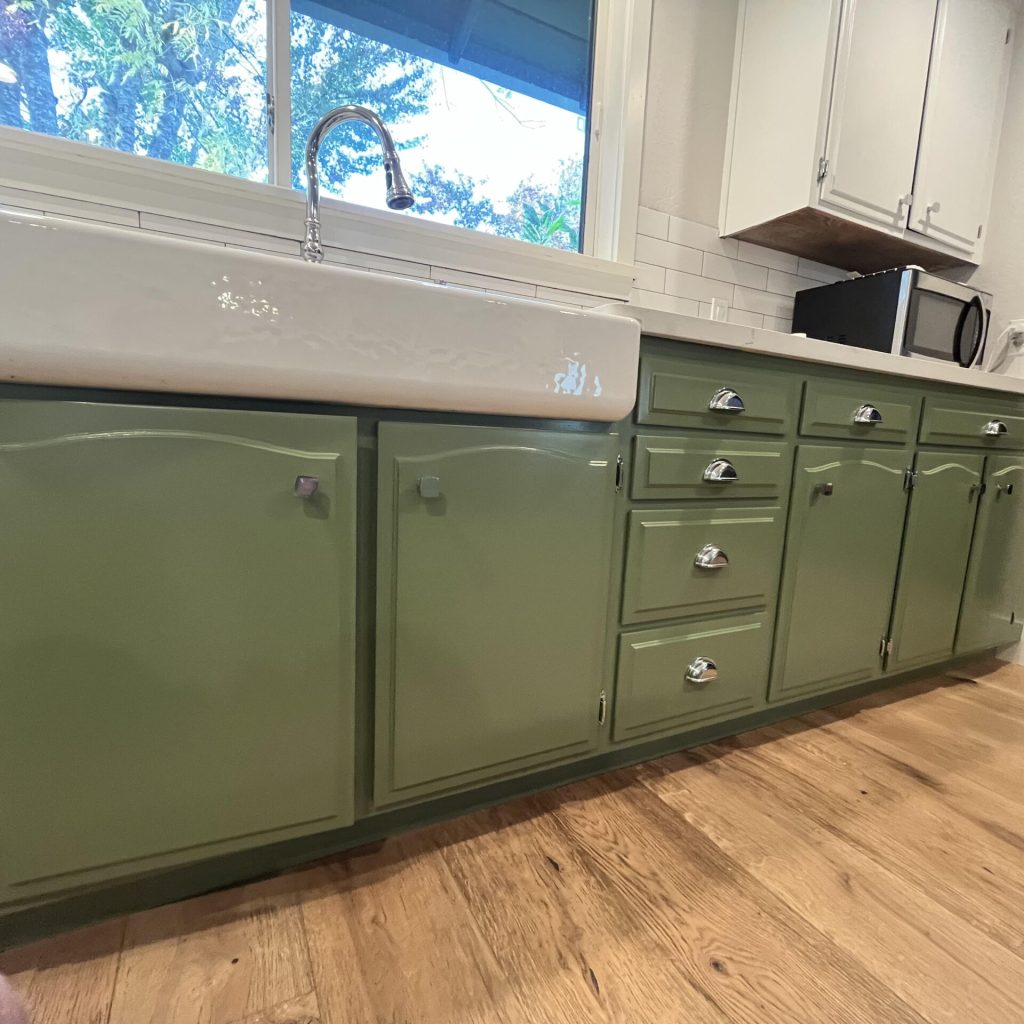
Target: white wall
{"type": "Point", "coordinates": [688, 85]}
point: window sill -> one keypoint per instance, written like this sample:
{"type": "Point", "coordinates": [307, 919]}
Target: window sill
{"type": "Point", "coordinates": [40, 167]}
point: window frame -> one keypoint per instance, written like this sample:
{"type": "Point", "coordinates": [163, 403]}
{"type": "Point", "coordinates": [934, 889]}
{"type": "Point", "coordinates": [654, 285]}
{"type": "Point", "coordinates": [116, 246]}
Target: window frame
{"type": "Point", "coordinates": [42, 165]}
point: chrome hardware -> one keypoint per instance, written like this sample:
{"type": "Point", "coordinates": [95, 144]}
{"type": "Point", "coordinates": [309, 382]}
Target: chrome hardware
{"type": "Point", "coordinates": [909, 479]}
{"type": "Point", "coordinates": [933, 208]}
{"type": "Point", "coordinates": [726, 400]}
{"type": "Point", "coordinates": [429, 486]}
{"type": "Point", "coordinates": [602, 708]}
{"type": "Point", "coordinates": [822, 168]}
{"type": "Point", "coordinates": [306, 486]}
{"type": "Point", "coordinates": [867, 414]}
{"type": "Point", "coordinates": [399, 195]}
{"type": "Point", "coordinates": [826, 489]}
{"type": "Point", "coordinates": [904, 201]}
{"type": "Point", "coordinates": [994, 428]}
{"type": "Point", "coordinates": [701, 670]}
{"type": "Point", "coordinates": [710, 557]}
{"type": "Point", "coordinates": [720, 471]}
{"type": "Point", "coordinates": [885, 647]}
{"type": "Point", "coordinates": [1006, 489]}
{"type": "Point", "coordinates": [620, 473]}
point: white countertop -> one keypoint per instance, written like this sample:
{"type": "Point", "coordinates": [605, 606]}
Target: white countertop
{"type": "Point", "coordinates": [679, 327]}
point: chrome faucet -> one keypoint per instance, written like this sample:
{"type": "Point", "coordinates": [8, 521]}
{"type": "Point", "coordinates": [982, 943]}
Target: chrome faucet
{"type": "Point", "coordinates": [399, 195]}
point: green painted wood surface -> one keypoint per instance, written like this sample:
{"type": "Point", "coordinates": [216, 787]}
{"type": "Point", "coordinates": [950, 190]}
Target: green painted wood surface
{"type": "Point", "coordinates": [842, 552]}
{"type": "Point", "coordinates": [672, 467]}
{"type": "Point", "coordinates": [951, 421]}
{"type": "Point", "coordinates": [662, 580]}
{"type": "Point", "coordinates": [652, 692]}
{"type": "Point", "coordinates": [829, 408]}
{"type": "Point", "coordinates": [674, 393]}
{"type": "Point", "coordinates": [992, 605]}
{"type": "Point", "coordinates": [936, 546]}
{"type": "Point", "coordinates": [492, 602]}
{"type": "Point", "coordinates": [177, 644]}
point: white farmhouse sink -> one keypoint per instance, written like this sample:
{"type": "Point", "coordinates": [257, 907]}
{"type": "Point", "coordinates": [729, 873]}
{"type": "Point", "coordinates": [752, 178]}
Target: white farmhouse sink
{"type": "Point", "coordinates": [97, 306]}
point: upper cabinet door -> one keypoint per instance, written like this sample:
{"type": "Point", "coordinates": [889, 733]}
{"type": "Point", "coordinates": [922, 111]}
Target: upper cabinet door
{"type": "Point", "coordinates": [877, 101]}
{"type": "Point", "coordinates": [962, 114]}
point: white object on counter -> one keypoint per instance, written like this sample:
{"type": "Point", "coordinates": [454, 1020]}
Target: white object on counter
{"type": "Point", "coordinates": [96, 306]}
{"type": "Point", "coordinates": [679, 327]}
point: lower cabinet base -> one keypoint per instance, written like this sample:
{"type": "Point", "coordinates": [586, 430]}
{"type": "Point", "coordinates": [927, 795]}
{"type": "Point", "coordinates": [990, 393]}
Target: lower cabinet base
{"type": "Point", "coordinates": [21, 923]}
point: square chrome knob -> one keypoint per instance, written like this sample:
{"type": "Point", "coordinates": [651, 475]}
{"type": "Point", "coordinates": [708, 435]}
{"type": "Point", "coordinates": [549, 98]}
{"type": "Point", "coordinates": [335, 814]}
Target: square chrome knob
{"type": "Point", "coordinates": [306, 486]}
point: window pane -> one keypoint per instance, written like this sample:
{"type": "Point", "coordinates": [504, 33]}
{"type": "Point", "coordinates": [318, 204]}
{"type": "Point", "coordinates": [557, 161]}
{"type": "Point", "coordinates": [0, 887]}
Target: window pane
{"type": "Point", "coordinates": [488, 103]}
{"type": "Point", "coordinates": [162, 78]}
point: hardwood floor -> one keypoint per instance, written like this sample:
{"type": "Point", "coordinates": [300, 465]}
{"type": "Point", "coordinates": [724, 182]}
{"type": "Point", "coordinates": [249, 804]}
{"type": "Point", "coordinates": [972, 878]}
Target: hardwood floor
{"type": "Point", "coordinates": [862, 864]}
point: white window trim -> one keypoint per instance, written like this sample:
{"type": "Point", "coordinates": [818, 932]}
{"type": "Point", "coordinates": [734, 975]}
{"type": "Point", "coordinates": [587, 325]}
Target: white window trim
{"type": "Point", "coordinates": [40, 166]}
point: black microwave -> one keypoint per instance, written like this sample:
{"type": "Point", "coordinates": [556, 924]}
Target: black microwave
{"type": "Point", "coordinates": [905, 311]}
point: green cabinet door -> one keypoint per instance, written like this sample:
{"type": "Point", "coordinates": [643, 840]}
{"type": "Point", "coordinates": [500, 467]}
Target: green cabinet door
{"type": "Point", "coordinates": [991, 612]}
{"type": "Point", "coordinates": [943, 507]}
{"type": "Point", "coordinates": [176, 655]}
{"type": "Point", "coordinates": [494, 551]}
{"type": "Point", "coordinates": [839, 569]}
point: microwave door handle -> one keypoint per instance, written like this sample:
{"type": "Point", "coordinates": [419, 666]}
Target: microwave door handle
{"type": "Point", "coordinates": [976, 304]}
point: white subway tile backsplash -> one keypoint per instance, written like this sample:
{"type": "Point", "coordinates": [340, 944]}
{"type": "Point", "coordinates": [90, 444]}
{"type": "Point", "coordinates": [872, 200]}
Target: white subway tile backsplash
{"type": "Point", "coordinates": [652, 223]}
{"type": "Point", "coordinates": [460, 277]}
{"type": "Point", "coordinates": [741, 316]}
{"type": "Point", "coordinates": [650, 278]}
{"type": "Point", "coordinates": [721, 268]}
{"type": "Point", "coordinates": [665, 303]}
{"type": "Point", "coordinates": [754, 301]}
{"type": "Point", "coordinates": [702, 289]}
{"type": "Point", "coordinates": [820, 272]}
{"type": "Point", "coordinates": [700, 236]}
{"type": "Point", "coordinates": [58, 206]}
{"type": "Point", "coordinates": [367, 261]}
{"type": "Point", "coordinates": [570, 298]}
{"type": "Point", "coordinates": [777, 323]}
{"type": "Point", "coordinates": [214, 233]}
{"type": "Point", "coordinates": [750, 253]}
{"type": "Point", "coordinates": [788, 284]}
{"type": "Point", "coordinates": [667, 254]}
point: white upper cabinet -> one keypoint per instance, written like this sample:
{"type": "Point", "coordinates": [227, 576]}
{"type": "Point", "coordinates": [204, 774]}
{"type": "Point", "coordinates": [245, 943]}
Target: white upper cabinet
{"type": "Point", "coordinates": [962, 112]}
{"type": "Point", "coordinates": [881, 73]}
{"type": "Point", "coordinates": [863, 133]}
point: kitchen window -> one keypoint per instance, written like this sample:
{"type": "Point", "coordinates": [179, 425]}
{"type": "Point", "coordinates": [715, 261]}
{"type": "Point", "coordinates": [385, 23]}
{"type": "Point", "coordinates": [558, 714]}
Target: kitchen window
{"type": "Point", "coordinates": [489, 100]}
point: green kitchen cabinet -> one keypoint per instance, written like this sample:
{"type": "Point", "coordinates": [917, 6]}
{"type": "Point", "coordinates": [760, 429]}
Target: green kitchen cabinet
{"type": "Point", "coordinates": [991, 611]}
{"type": "Point", "coordinates": [940, 524]}
{"type": "Point", "coordinates": [846, 521]}
{"type": "Point", "coordinates": [493, 577]}
{"type": "Point", "coordinates": [177, 646]}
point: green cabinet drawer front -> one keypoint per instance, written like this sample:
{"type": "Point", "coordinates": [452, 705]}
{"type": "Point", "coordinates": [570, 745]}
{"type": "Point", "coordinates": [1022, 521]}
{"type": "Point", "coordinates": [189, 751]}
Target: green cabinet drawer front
{"type": "Point", "coordinates": [842, 550]}
{"type": "Point", "coordinates": [834, 409]}
{"type": "Point", "coordinates": [494, 550]}
{"type": "Point", "coordinates": [676, 467]}
{"type": "Point", "coordinates": [679, 393]}
{"type": "Point", "coordinates": [949, 421]}
{"type": "Point", "coordinates": [664, 579]}
{"type": "Point", "coordinates": [940, 523]}
{"type": "Point", "coordinates": [178, 634]}
{"type": "Point", "coordinates": [993, 606]}
{"type": "Point", "coordinates": [654, 692]}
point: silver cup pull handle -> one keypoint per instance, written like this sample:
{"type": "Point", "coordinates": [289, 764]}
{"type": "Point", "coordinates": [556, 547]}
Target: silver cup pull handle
{"type": "Point", "coordinates": [867, 414]}
{"type": "Point", "coordinates": [710, 557]}
{"type": "Point", "coordinates": [720, 471]}
{"type": "Point", "coordinates": [994, 428]}
{"type": "Point", "coordinates": [701, 671]}
{"type": "Point", "coordinates": [726, 400]}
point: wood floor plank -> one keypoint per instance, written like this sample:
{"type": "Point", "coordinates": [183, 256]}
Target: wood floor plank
{"type": "Point", "coordinates": [744, 948]}
{"type": "Point", "coordinates": [214, 960]}
{"type": "Point", "coordinates": [929, 956]}
{"type": "Point", "coordinates": [391, 940]}
{"type": "Point", "coordinates": [572, 949]}
{"type": "Point", "coordinates": [69, 978]}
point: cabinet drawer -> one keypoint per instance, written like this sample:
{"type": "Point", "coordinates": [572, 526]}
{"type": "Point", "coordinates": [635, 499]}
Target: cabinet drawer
{"type": "Point", "coordinates": [861, 411]}
{"type": "Point", "coordinates": [947, 421]}
{"type": "Point", "coordinates": [657, 690]}
{"type": "Point", "coordinates": [682, 467]}
{"type": "Point", "coordinates": [681, 393]}
{"type": "Point", "coordinates": [665, 578]}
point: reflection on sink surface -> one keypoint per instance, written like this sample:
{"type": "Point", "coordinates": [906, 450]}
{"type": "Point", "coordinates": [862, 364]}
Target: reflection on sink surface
{"type": "Point", "coordinates": [97, 306]}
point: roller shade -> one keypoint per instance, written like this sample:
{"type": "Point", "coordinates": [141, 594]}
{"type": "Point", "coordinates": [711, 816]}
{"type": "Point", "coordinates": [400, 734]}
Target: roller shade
{"type": "Point", "coordinates": [538, 47]}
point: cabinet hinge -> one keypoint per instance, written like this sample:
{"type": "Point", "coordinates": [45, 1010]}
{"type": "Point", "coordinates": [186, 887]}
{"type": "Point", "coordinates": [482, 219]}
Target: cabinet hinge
{"type": "Point", "coordinates": [822, 168]}
{"type": "Point", "coordinates": [909, 480]}
{"type": "Point", "coordinates": [602, 708]}
{"type": "Point", "coordinates": [620, 472]}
